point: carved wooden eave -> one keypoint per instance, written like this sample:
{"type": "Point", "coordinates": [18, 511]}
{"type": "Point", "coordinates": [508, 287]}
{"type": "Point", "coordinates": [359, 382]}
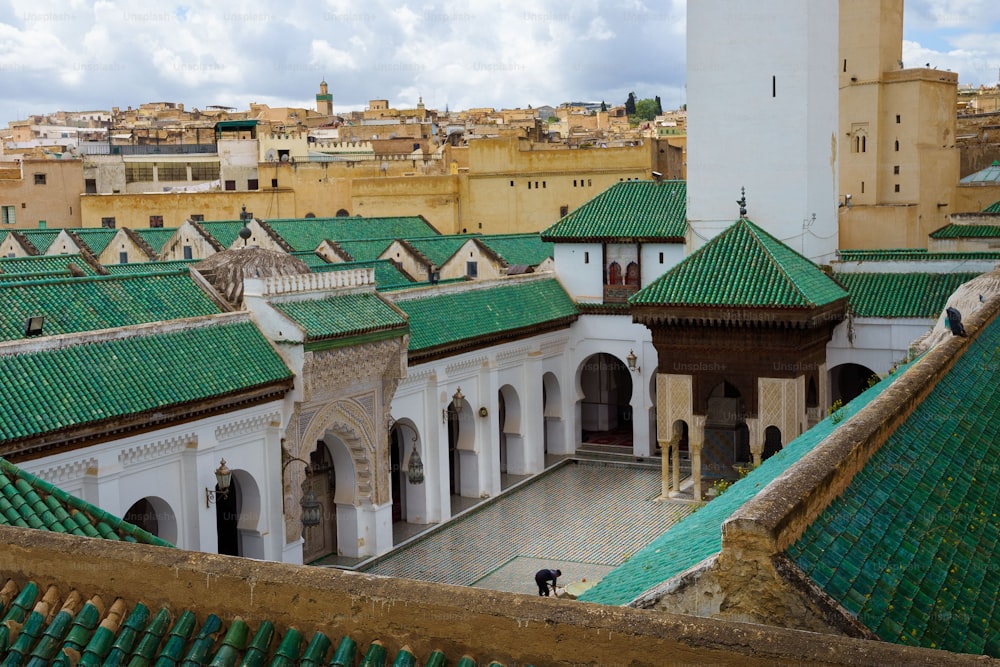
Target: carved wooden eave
{"type": "Point", "coordinates": [730, 317]}
{"type": "Point", "coordinates": [77, 437]}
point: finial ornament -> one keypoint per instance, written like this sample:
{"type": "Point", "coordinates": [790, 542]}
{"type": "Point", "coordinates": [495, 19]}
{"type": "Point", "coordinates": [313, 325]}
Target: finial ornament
{"type": "Point", "coordinates": [742, 201]}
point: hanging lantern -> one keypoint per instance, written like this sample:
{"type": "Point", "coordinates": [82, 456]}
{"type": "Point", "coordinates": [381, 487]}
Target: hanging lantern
{"type": "Point", "coordinates": [415, 467]}
{"type": "Point", "coordinates": [311, 513]}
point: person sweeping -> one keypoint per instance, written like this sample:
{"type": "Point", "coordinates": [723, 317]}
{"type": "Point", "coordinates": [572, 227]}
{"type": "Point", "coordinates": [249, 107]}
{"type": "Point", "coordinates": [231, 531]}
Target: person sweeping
{"type": "Point", "coordinates": [545, 579]}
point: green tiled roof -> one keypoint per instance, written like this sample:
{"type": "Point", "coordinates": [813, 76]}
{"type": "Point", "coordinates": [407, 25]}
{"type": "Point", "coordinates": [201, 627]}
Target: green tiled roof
{"type": "Point", "coordinates": [992, 208]}
{"type": "Point", "coordinates": [40, 238]}
{"type": "Point", "coordinates": [156, 237]}
{"type": "Point", "coordinates": [453, 316]}
{"type": "Point", "coordinates": [52, 390]}
{"type": "Point", "coordinates": [744, 266]}
{"type": "Point", "coordinates": [311, 259]}
{"type": "Point", "coordinates": [101, 302]}
{"type": "Point", "coordinates": [174, 265]}
{"type": "Point", "coordinates": [42, 264]}
{"type": "Point", "coordinates": [30, 502]}
{"type": "Point", "coordinates": [987, 176]}
{"type": "Point", "coordinates": [699, 535]}
{"type": "Point", "coordinates": [912, 255]}
{"type": "Point", "coordinates": [893, 295]}
{"type": "Point", "coordinates": [147, 636]}
{"type": "Point", "coordinates": [439, 249]}
{"type": "Point", "coordinates": [365, 250]}
{"type": "Point", "coordinates": [347, 315]}
{"type": "Point", "coordinates": [387, 274]}
{"type": "Point", "coordinates": [307, 233]}
{"type": "Point", "coordinates": [224, 231]}
{"type": "Point", "coordinates": [967, 232]}
{"type": "Point", "coordinates": [519, 249]}
{"type": "Point", "coordinates": [95, 239]}
{"type": "Point", "coordinates": [628, 211]}
{"type": "Point", "coordinates": [910, 546]}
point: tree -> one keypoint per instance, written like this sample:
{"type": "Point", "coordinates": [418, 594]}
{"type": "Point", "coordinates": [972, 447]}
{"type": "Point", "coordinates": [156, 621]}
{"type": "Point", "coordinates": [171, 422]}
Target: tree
{"type": "Point", "coordinates": [645, 109]}
{"type": "Point", "coordinates": [630, 105]}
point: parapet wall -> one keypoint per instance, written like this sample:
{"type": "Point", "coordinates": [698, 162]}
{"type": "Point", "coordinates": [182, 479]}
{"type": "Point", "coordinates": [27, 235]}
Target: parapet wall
{"type": "Point", "coordinates": [513, 629]}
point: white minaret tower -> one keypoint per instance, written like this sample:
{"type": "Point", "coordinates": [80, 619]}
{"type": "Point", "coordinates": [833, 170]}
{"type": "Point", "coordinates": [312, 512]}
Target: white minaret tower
{"type": "Point", "coordinates": [762, 114]}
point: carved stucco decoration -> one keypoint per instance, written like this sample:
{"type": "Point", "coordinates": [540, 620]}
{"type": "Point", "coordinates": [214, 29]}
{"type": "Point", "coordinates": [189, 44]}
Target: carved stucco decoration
{"type": "Point", "coordinates": [675, 402]}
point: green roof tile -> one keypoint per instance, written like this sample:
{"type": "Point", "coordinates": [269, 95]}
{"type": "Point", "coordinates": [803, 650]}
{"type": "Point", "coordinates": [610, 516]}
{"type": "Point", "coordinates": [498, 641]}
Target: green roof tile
{"type": "Point", "coordinates": [967, 232]}
{"type": "Point", "coordinates": [156, 237]}
{"type": "Point", "coordinates": [457, 315]}
{"type": "Point", "coordinates": [917, 565]}
{"type": "Point", "coordinates": [26, 494]}
{"type": "Point", "coordinates": [40, 238]}
{"type": "Point", "coordinates": [136, 375]}
{"type": "Point", "coordinates": [42, 265]}
{"type": "Point", "coordinates": [100, 302]}
{"type": "Point", "coordinates": [96, 240]}
{"type": "Point", "coordinates": [628, 211]}
{"type": "Point", "coordinates": [365, 250]}
{"type": "Point", "coordinates": [171, 266]}
{"type": "Point", "coordinates": [699, 535]}
{"type": "Point", "coordinates": [307, 233]}
{"type": "Point", "coordinates": [519, 249]}
{"type": "Point", "coordinates": [992, 208]}
{"type": "Point", "coordinates": [311, 259]}
{"type": "Point", "coordinates": [439, 249]}
{"type": "Point", "coordinates": [744, 266]}
{"type": "Point", "coordinates": [893, 295]}
{"type": "Point", "coordinates": [912, 255]}
{"type": "Point", "coordinates": [345, 315]}
{"type": "Point", "coordinates": [224, 231]}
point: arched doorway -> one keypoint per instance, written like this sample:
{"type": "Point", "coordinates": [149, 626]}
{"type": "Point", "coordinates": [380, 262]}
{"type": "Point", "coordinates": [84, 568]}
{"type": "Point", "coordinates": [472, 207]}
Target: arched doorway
{"type": "Point", "coordinates": [606, 407]}
{"type": "Point", "coordinates": [462, 462]}
{"type": "Point", "coordinates": [155, 516]}
{"type": "Point", "coordinates": [397, 467]}
{"type": "Point", "coordinates": [511, 453]}
{"type": "Point", "coordinates": [227, 516]}
{"type": "Point", "coordinates": [330, 477]}
{"type": "Point", "coordinates": [726, 432]}
{"type": "Point", "coordinates": [848, 381]}
{"type": "Point", "coordinates": [772, 442]}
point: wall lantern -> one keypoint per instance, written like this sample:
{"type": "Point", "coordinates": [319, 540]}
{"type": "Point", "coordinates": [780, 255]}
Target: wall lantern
{"type": "Point", "coordinates": [456, 403]}
{"type": "Point", "coordinates": [631, 359]}
{"type": "Point", "coordinates": [223, 477]}
{"type": "Point", "coordinates": [415, 467]}
{"type": "Point", "coordinates": [311, 512]}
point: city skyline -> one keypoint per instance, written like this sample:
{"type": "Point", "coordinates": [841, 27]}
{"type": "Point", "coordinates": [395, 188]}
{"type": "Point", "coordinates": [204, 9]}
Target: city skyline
{"type": "Point", "coordinates": [93, 56]}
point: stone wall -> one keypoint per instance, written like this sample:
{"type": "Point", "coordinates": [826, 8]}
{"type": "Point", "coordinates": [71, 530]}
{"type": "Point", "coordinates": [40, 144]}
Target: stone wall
{"type": "Point", "coordinates": [513, 629]}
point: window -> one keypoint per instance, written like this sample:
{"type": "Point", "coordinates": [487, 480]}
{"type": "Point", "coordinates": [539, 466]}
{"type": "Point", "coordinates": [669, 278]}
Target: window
{"type": "Point", "coordinates": [108, 223]}
{"type": "Point", "coordinates": [897, 187]}
{"type": "Point", "coordinates": [563, 211]}
{"type": "Point", "coordinates": [274, 182]}
{"type": "Point", "coordinates": [862, 187]}
{"type": "Point", "coordinates": [230, 185]}
{"type": "Point", "coordinates": [8, 215]}
{"type": "Point", "coordinates": [90, 186]}
{"type": "Point", "coordinates": [898, 119]}
{"type": "Point", "coordinates": [472, 269]}
{"type": "Point", "coordinates": [586, 258]}
{"type": "Point", "coordinates": [574, 182]}
{"type": "Point", "coordinates": [774, 86]}
{"type": "Point", "coordinates": [661, 258]}
{"type": "Point", "coordinates": [589, 183]}
{"type": "Point", "coordinates": [156, 221]}
{"type": "Point", "coordinates": [123, 257]}
{"type": "Point", "coordinates": [632, 274]}
{"type": "Point", "coordinates": [512, 184]}
{"type": "Point", "coordinates": [171, 171]}
{"type": "Point", "coordinates": [845, 65]}
{"type": "Point", "coordinates": [197, 217]}
{"type": "Point", "coordinates": [543, 184]}
{"type": "Point", "coordinates": [138, 172]}
{"type": "Point", "coordinates": [529, 185]}
{"type": "Point", "coordinates": [204, 171]}
{"type": "Point", "coordinates": [897, 145]}
{"type": "Point", "coordinates": [187, 252]}
{"type": "Point", "coordinates": [252, 184]}
{"type": "Point", "coordinates": [615, 274]}
{"type": "Point", "coordinates": [39, 179]}
{"type": "Point", "coordinates": [895, 169]}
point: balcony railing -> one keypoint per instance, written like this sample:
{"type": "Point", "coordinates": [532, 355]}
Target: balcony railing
{"type": "Point", "coordinates": [619, 293]}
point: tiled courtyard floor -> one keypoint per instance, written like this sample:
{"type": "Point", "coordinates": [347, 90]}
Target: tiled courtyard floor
{"type": "Point", "coordinates": [583, 518]}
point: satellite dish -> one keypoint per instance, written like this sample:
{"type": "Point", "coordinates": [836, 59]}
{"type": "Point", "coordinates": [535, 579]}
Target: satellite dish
{"type": "Point", "coordinates": [270, 155]}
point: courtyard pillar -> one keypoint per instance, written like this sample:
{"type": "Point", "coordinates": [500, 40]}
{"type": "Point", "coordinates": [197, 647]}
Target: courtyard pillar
{"type": "Point", "coordinates": [696, 438]}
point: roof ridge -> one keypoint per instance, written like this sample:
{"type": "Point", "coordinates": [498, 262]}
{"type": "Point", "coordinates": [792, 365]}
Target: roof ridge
{"type": "Point", "coordinates": [757, 233]}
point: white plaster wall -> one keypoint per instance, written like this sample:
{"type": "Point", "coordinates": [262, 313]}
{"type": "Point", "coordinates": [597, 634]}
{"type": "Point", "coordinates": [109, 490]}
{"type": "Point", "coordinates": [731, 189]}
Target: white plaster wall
{"type": "Point", "coordinates": [778, 141]}
{"type": "Point", "coordinates": [177, 464]}
{"type": "Point", "coordinates": [652, 266]}
{"type": "Point", "coordinates": [899, 266]}
{"type": "Point", "coordinates": [878, 343]}
{"type": "Point", "coordinates": [582, 279]}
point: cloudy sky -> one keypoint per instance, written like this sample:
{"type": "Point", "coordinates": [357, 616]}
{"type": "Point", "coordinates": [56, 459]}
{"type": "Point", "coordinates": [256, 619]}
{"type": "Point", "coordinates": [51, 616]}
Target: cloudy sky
{"type": "Point", "coordinates": [85, 55]}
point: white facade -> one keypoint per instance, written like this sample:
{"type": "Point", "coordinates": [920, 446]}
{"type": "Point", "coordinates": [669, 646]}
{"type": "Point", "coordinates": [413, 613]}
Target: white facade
{"type": "Point", "coordinates": [763, 99]}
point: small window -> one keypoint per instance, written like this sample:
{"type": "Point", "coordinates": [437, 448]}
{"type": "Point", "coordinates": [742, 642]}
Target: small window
{"type": "Point", "coordinates": [895, 169]}
{"type": "Point", "coordinates": [252, 184]}
{"type": "Point", "coordinates": [187, 252]}
{"type": "Point", "coordinates": [563, 211]}
{"type": "Point", "coordinates": [845, 65]}
{"type": "Point", "coordinates": [8, 215]}
{"type": "Point", "coordinates": [774, 86]}
{"type": "Point", "coordinates": [586, 258]}
{"type": "Point", "coordinates": [197, 217]}
{"type": "Point", "coordinates": [543, 184]}
{"type": "Point", "coordinates": [90, 186]}
{"type": "Point", "coordinates": [862, 187]}
{"type": "Point", "coordinates": [589, 183]}
{"type": "Point", "coordinates": [897, 187]}
{"type": "Point", "coordinates": [274, 182]}
{"type": "Point", "coordinates": [898, 119]}
{"type": "Point", "coordinates": [156, 221]}
{"type": "Point", "coordinates": [661, 258]}
{"type": "Point", "coordinates": [39, 179]}
{"type": "Point", "coordinates": [108, 223]}
{"type": "Point", "coordinates": [574, 182]}
{"type": "Point", "coordinates": [471, 269]}
{"type": "Point", "coordinates": [529, 185]}
{"type": "Point", "coordinates": [512, 184]}
{"type": "Point", "coordinates": [123, 257]}
{"type": "Point", "coordinates": [897, 145]}
{"type": "Point", "coordinates": [230, 185]}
